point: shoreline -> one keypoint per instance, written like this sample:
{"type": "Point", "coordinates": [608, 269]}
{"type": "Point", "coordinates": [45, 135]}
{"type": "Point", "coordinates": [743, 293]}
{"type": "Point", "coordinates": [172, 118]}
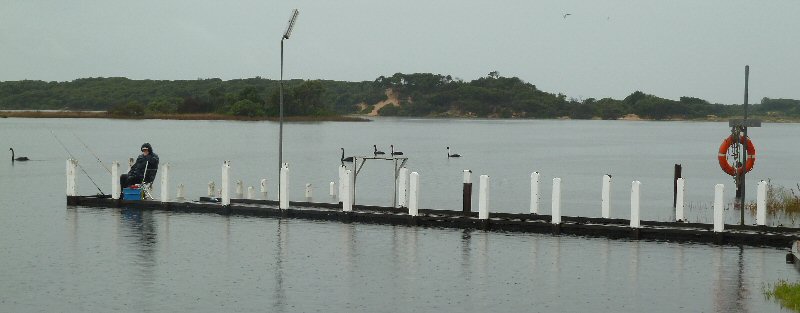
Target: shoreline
{"type": "Point", "coordinates": [198, 117]}
{"type": "Point", "coordinates": [332, 118]}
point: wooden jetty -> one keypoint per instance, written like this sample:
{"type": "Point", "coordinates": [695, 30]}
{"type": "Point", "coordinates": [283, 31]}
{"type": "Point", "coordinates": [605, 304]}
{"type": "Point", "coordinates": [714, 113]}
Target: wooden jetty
{"type": "Point", "coordinates": [502, 222]}
{"type": "Point", "coordinates": [407, 211]}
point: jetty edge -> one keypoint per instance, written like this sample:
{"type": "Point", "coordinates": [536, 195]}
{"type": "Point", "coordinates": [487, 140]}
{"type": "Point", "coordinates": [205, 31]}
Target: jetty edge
{"type": "Point", "coordinates": [760, 236]}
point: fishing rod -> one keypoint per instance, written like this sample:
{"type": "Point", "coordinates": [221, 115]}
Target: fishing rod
{"type": "Point", "coordinates": [79, 165]}
{"type": "Point", "coordinates": [94, 154]}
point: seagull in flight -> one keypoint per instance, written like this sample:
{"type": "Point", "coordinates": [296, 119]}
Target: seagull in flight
{"type": "Point", "coordinates": [568, 14]}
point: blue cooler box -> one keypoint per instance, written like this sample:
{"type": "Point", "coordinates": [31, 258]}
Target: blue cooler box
{"type": "Point", "coordinates": [131, 194]}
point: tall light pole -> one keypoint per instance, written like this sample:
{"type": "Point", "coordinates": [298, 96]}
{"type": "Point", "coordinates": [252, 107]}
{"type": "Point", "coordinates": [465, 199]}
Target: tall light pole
{"type": "Point", "coordinates": [286, 35]}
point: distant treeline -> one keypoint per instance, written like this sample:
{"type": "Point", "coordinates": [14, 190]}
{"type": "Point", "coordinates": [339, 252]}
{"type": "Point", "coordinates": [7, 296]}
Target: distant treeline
{"type": "Point", "coordinates": [420, 94]}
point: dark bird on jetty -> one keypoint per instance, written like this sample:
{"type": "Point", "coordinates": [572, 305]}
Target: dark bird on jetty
{"type": "Point", "coordinates": [17, 159]}
{"type": "Point", "coordinates": [395, 152]}
{"type": "Point", "coordinates": [347, 159]}
{"type": "Point", "coordinates": [452, 155]}
{"type": "Point", "coordinates": [377, 153]}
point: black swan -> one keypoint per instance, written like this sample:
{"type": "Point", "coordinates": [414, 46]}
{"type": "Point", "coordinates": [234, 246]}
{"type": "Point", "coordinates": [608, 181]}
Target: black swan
{"type": "Point", "coordinates": [17, 159]}
{"type": "Point", "coordinates": [376, 153]}
{"type": "Point", "coordinates": [452, 155]}
{"type": "Point", "coordinates": [395, 152]}
{"type": "Point", "coordinates": [347, 159]}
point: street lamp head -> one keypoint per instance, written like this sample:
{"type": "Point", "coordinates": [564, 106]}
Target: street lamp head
{"type": "Point", "coordinates": [289, 27]}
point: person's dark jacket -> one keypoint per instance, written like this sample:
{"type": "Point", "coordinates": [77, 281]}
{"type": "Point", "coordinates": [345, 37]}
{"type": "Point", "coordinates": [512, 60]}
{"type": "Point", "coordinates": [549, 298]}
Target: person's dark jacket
{"type": "Point", "coordinates": [150, 161]}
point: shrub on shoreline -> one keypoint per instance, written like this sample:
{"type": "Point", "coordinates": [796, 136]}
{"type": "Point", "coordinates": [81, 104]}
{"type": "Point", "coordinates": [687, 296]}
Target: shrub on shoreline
{"type": "Point", "coordinates": [787, 294]}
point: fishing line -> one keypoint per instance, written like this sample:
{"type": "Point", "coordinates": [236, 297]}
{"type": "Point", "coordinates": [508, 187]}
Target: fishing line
{"type": "Point", "coordinates": [94, 154]}
{"type": "Point", "coordinates": [79, 165]}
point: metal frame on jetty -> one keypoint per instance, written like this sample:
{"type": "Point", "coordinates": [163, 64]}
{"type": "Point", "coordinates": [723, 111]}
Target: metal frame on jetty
{"type": "Point", "coordinates": [409, 213]}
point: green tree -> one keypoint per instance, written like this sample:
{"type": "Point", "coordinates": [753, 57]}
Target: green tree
{"type": "Point", "coordinates": [132, 108]}
{"type": "Point", "coordinates": [164, 105]}
{"type": "Point", "coordinates": [247, 108]}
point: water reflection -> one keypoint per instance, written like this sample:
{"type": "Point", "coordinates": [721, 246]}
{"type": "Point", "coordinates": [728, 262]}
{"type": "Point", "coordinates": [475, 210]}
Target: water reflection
{"type": "Point", "coordinates": [730, 291]}
{"type": "Point", "coordinates": [279, 299]}
{"type": "Point", "coordinates": [633, 267]}
{"type": "Point", "coordinates": [534, 251]}
{"type": "Point", "coordinates": [605, 252]}
{"type": "Point", "coordinates": [482, 247]}
{"type": "Point", "coordinates": [706, 278]}
{"type": "Point", "coordinates": [72, 218]}
{"type": "Point", "coordinates": [679, 263]}
{"type": "Point", "coordinates": [466, 251]}
{"type": "Point", "coordinates": [138, 231]}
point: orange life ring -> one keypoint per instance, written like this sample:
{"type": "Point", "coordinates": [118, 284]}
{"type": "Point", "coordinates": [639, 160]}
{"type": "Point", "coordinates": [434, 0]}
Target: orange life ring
{"type": "Point", "coordinates": [723, 159]}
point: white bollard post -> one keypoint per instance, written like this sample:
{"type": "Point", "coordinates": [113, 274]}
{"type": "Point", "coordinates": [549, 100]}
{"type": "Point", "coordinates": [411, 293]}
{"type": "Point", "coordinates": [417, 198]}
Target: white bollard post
{"type": "Point", "coordinates": [761, 204]}
{"type": "Point", "coordinates": [75, 177]}
{"type": "Point", "coordinates": [606, 197]}
{"type": "Point", "coordinates": [284, 182]}
{"type": "Point", "coordinates": [72, 187]}
{"type": "Point", "coordinates": [165, 182]}
{"type": "Point", "coordinates": [347, 204]}
{"type": "Point", "coordinates": [719, 222]}
{"type": "Point", "coordinates": [556, 201]}
{"type": "Point", "coordinates": [211, 189]}
{"type": "Point", "coordinates": [483, 198]}
{"type": "Point", "coordinates": [535, 193]}
{"type": "Point", "coordinates": [679, 200]}
{"type": "Point", "coordinates": [402, 188]}
{"type": "Point", "coordinates": [264, 188]}
{"type": "Point", "coordinates": [413, 196]}
{"type": "Point", "coordinates": [239, 189]}
{"type": "Point", "coordinates": [115, 180]}
{"type": "Point", "coordinates": [342, 177]}
{"type": "Point", "coordinates": [635, 222]}
{"type": "Point", "coordinates": [251, 193]}
{"type": "Point", "coordinates": [332, 191]}
{"type": "Point", "coordinates": [351, 183]}
{"type": "Point", "coordinates": [308, 191]}
{"type": "Point", "coordinates": [225, 187]}
{"type": "Point", "coordinates": [180, 195]}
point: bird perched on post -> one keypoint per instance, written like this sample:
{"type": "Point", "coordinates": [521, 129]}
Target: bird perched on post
{"type": "Point", "coordinates": [347, 159]}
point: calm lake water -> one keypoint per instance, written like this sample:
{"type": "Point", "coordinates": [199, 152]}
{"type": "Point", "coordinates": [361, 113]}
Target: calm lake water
{"type": "Point", "coordinates": [79, 259]}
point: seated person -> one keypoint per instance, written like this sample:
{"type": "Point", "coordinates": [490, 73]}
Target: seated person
{"type": "Point", "coordinates": [149, 160]}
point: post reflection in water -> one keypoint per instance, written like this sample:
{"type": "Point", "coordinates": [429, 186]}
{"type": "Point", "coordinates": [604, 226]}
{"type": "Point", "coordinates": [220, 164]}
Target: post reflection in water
{"type": "Point", "coordinates": [466, 250]}
{"type": "Point", "coordinates": [556, 265]}
{"type": "Point", "coordinates": [730, 292]}
{"type": "Point", "coordinates": [279, 299]}
{"type": "Point", "coordinates": [532, 256]}
{"type": "Point", "coordinates": [482, 261]}
{"type": "Point", "coordinates": [72, 217]}
{"type": "Point", "coordinates": [138, 232]}
{"type": "Point", "coordinates": [227, 235]}
{"type": "Point", "coordinates": [633, 268]}
{"type": "Point", "coordinates": [605, 252]}
{"type": "Point", "coordinates": [679, 268]}
{"type": "Point", "coordinates": [349, 243]}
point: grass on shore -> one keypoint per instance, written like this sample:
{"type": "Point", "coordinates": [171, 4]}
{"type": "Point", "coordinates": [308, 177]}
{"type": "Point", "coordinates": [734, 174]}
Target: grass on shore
{"type": "Point", "coordinates": [198, 116]}
{"type": "Point", "coordinates": [787, 294]}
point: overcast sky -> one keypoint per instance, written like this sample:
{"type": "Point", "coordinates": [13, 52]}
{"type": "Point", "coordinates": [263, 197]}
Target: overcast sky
{"type": "Point", "coordinates": [605, 48]}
